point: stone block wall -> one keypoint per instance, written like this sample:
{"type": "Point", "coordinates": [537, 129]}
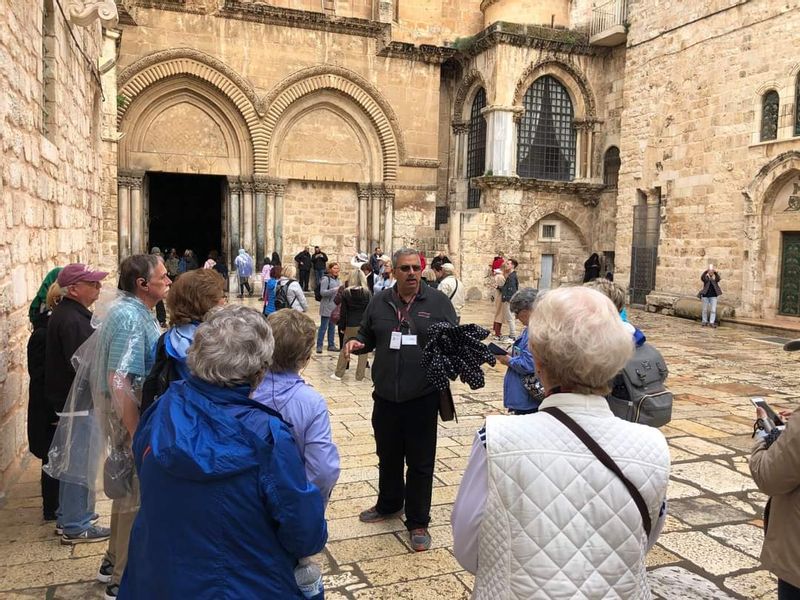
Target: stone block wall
{"type": "Point", "coordinates": [50, 185]}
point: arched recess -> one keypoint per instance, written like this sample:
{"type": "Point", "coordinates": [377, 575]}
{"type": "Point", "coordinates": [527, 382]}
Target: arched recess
{"type": "Point", "coordinates": [357, 90]}
{"type": "Point", "coordinates": [571, 78]}
{"type": "Point", "coordinates": [222, 87]}
{"type": "Point", "coordinates": [568, 248]}
{"type": "Point", "coordinates": [466, 93]}
{"type": "Point", "coordinates": [768, 213]}
{"type": "Point", "coordinates": [345, 145]}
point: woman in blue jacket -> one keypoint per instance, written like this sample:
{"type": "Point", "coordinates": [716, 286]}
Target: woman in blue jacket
{"type": "Point", "coordinates": [519, 361]}
{"type": "Point", "coordinates": [226, 509]}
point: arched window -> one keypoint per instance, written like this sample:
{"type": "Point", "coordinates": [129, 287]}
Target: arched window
{"type": "Point", "coordinates": [546, 136]}
{"type": "Point", "coordinates": [611, 164]}
{"type": "Point", "coordinates": [770, 103]}
{"type": "Point", "coordinates": [797, 106]}
{"type": "Point", "coordinates": [476, 146]}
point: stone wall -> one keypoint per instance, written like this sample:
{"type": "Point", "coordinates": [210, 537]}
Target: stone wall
{"type": "Point", "coordinates": [50, 184]}
{"type": "Point", "coordinates": [692, 131]}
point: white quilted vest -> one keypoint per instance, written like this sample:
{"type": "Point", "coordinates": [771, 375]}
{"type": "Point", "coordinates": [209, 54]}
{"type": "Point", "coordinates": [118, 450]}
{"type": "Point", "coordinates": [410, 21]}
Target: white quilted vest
{"type": "Point", "coordinates": [558, 525]}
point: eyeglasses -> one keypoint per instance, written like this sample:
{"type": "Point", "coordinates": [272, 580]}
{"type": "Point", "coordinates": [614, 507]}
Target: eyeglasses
{"type": "Point", "coordinates": [95, 284]}
{"type": "Point", "coordinates": [408, 268]}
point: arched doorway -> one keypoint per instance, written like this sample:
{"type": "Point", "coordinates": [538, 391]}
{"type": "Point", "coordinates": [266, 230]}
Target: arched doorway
{"type": "Point", "coordinates": [553, 252]}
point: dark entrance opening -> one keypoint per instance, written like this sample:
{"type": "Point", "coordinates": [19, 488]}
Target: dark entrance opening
{"type": "Point", "coordinates": [186, 212]}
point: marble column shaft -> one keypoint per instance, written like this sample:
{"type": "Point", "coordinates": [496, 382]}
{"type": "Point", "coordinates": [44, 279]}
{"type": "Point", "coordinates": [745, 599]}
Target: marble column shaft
{"type": "Point", "coordinates": [388, 221]}
{"type": "Point", "coordinates": [234, 218]}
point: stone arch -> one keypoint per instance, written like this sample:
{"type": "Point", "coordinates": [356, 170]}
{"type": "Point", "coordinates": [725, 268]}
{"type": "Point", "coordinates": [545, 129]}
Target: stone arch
{"type": "Point", "coordinates": [762, 233]}
{"type": "Point", "coordinates": [571, 217]}
{"type": "Point", "coordinates": [351, 85]}
{"type": "Point", "coordinates": [570, 249]}
{"type": "Point", "coordinates": [570, 76]}
{"type": "Point", "coordinates": [221, 85]}
{"type": "Point", "coordinates": [466, 91]}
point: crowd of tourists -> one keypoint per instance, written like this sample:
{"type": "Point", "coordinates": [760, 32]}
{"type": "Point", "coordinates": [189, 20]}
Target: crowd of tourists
{"type": "Point", "coordinates": [219, 456]}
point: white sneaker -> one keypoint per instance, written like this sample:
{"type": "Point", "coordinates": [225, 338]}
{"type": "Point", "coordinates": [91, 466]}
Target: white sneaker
{"type": "Point", "coordinates": [335, 377]}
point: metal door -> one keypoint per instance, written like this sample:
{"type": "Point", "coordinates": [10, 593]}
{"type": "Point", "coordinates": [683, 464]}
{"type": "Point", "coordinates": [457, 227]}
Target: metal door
{"type": "Point", "coordinates": [644, 253]}
{"type": "Point", "coordinates": [546, 276]}
{"type": "Point", "coordinates": [790, 274]}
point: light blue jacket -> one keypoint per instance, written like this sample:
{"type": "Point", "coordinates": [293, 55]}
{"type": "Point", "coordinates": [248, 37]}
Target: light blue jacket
{"type": "Point", "coordinates": [515, 396]}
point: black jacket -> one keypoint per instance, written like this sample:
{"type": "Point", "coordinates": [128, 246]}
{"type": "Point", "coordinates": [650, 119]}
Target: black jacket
{"type": "Point", "coordinates": [303, 260]}
{"type": "Point", "coordinates": [40, 416]}
{"type": "Point", "coordinates": [510, 287]}
{"type": "Point", "coordinates": [353, 307]}
{"type": "Point", "coordinates": [320, 261]}
{"type": "Point", "coordinates": [396, 374]}
{"type": "Point", "coordinates": [70, 325]}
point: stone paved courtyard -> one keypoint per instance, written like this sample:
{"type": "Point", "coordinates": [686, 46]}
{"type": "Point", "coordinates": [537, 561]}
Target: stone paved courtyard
{"type": "Point", "coordinates": [709, 548]}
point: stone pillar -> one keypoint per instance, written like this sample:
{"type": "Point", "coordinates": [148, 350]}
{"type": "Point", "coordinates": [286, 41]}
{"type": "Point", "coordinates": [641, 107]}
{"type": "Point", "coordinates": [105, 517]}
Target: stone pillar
{"type": "Point", "coordinates": [388, 242]}
{"type": "Point", "coordinates": [458, 160]}
{"type": "Point", "coordinates": [123, 216]}
{"type": "Point", "coordinates": [247, 212]}
{"type": "Point", "coordinates": [280, 188]}
{"type": "Point", "coordinates": [260, 185]}
{"type": "Point", "coordinates": [501, 140]}
{"type": "Point", "coordinates": [589, 150]}
{"type": "Point", "coordinates": [363, 199]}
{"type": "Point", "coordinates": [137, 214]}
{"type": "Point", "coordinates": [270, 221]}
{"type": "Point", "coordinates": [375, 198]}
{"type": "Point", "coordinates": [234, 219]}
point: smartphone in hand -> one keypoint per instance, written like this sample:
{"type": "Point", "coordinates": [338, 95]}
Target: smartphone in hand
{"type": "Point", "coordinates": [496, 350]}
{"type": "Point", "coordinates": [771, 414]}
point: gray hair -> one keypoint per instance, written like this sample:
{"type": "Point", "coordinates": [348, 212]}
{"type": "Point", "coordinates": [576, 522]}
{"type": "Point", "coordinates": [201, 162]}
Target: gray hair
{"type": "Point", "coordinates": [448, 268]}
{"type": "Point", "coordinates": [403, 252]}
{"type": "Point", "coordinates": [233, 346]}
{"type": "Point", "coordinates": [578, 339]}
{"type": "Point", "coordinates": [138, 266]}
{"type": "Point", "coordinates": [523, 300]}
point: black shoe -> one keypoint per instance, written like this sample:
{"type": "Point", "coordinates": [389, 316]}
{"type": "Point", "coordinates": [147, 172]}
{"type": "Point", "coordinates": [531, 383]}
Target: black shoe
{"type": "Point", "coordinates": [112, 591]}
{"type": "Point", "coordinates": [105, 571]}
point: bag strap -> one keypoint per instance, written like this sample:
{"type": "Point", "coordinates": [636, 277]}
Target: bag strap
{"type": "Point", "coordinates": [604, 458]}
{"type": "Point", "coordinates": [455, 289]}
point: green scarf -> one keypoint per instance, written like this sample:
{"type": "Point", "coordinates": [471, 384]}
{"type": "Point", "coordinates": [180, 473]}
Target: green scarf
{"type": "Point", "coordinates": [41, 296]}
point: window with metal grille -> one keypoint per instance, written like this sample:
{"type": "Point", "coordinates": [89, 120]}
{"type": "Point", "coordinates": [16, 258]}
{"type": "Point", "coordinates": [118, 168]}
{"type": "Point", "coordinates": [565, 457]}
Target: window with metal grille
{"type": "Point", "coordinates": [770, 103]}
{"type": "Point", "coordinates": [476, 147]}
{"type": "Point", "coordinates": [611, 164]}
{"type": "Point", "coordinates": [546, 137]}
{"type": "Point", "coordinates": [797, 106]}
{"type": "Point", "coordinates": [441, 216]}
{"type": "Point", "coordinates": [548, 232]}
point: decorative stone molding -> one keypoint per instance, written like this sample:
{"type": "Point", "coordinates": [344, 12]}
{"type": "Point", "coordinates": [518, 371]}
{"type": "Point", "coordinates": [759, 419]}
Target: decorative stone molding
{"type": "Point", "coordinates": [460, 127]}
{"type": "Point", "coordinates": [778, 168]}
{"type": "Point", "coordinates": [426, 53]}
{"type": "Point", "coordinates": [289, 17]}
{"type": "Point", "coordinates": [578, 78]}
{"type": "Point", "coordinates": [328, 77]}
{"type": "Point", "coordinates": [423, 163]}
{"type": "Point", "coordinates": [473, 79]}
{"type": "Point", "coordinates": [234, 185]}
{"type": "Point", "coordinates": [247, 185]}
{"type": "Point", "coordinates": [85, 12]}
{"type": "Point", "coordinates": [541, 37]}
{"type": "Point", "coordinates": [588, 193]}
{"type": "Point", "coordinates": [261, 183]}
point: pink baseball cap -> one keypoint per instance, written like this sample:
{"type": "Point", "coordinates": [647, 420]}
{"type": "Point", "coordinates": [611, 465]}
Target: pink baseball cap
{"type": "Point", "coordinates": [72, 274]}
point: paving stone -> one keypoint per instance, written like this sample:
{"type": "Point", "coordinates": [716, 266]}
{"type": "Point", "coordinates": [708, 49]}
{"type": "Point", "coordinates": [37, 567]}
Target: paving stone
{"type": "Point", "coordinates": [705, 511]}
{"type": "Point", "coordinates": [418, 565]}
{"type": "Point", "coordinates": [713, 477]}
{"type": "Point", "coordinates": [44, 573]}
{"type": "Point", "coordinates": [447, 587]}
{"type": "Point", "coordinates": [746, 538]}
{"type": "Point", "coordinates": [759, 585]}
{"type": "Point", "coordinates": [364, 548]}
{"type": "Point", "coordinates": [706, 553]}
{"type": "Point", "coordinates": [699, 447]}
{"type": "Point", "coordinates": [658, 557]}
{"type": "Point", "coordinates": [351, 527]}
{"type": "Point", "coordinates": [682, 490]}
{"type": "Point", "coordinates": [676, 583]}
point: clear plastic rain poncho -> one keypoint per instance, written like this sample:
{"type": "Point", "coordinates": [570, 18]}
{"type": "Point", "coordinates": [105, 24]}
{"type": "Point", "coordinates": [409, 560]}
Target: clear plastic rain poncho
{"type": "Point", "coordinates": [92, 444]}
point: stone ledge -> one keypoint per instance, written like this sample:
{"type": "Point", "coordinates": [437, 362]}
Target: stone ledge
{"type": "Point", "coordinates": [543, 37]}
{"type": "Point", "coordinates": [589, 193]}
{"type": "Point", "coordinates": [687, 307]}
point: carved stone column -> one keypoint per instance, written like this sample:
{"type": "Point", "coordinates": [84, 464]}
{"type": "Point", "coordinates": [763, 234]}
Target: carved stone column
{"type": "Point", "coordinates": [260, 185]}
{"type": "Point", "coordinates": [375, 199]}
{"type": "Point", "coordinates": [247, 212]}
{"type": "Point", "coordinates": [123, 216]}
{"type": "Point", "coordinates": [280, 189]}
{"type": "Point", "coordinates": [234, 219]}
{"type": "Point", "coordinates": [270, 221]}
{"type": "Point", "coordinates": [458, 160]}
{"type": "Point", "coordinates": [363, 199]}
{"type": "Point", "coordinates": [388, 220]}
{"type": "Point", "coordinates": [501, 140]}
{"type": "Point", "coordinates": [137, 214]}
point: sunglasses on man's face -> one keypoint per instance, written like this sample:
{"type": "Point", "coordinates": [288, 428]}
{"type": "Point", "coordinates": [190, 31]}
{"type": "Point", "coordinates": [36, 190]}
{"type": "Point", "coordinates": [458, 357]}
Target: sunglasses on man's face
{"type": "Point", "coordinates": [407, 268]}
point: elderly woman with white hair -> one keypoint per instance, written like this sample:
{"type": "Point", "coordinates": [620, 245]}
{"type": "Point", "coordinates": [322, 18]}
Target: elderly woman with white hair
{"type": "Point", "coordinates": [226, 509]}
{"type": "Point", "coordinates": [565, 502]}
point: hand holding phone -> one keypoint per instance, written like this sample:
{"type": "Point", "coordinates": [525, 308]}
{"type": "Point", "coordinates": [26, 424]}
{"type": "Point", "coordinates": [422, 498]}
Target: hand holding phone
{"type": "Point", "coordinates": [771, 417]}
{"type": "Point", "coordinates": [497, 350]}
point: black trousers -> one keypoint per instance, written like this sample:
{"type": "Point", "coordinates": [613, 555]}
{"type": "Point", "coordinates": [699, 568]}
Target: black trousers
{"type": "Point", "coordinates": [304, 275]}
{"type": "Point", "coordinates": [786, 591]}
{"type": "Point", "coordinates": [49, 495]}
{"type": "Point", "coordinates": [405, 435]}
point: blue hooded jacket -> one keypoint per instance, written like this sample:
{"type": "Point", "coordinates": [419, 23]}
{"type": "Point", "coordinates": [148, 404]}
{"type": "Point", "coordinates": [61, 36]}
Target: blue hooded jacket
{"type": "Point", "coordinates": [226, 509]}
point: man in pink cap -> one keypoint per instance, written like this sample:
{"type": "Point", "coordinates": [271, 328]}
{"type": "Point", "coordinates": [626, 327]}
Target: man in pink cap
{"type": "Point", "coordinates": [70, 326]}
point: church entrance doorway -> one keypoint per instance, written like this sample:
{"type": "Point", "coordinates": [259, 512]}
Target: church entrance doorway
{"type": "Point", "coordinates": [186, 211]}
{"type": "Point", "coordinates": [790, 275]}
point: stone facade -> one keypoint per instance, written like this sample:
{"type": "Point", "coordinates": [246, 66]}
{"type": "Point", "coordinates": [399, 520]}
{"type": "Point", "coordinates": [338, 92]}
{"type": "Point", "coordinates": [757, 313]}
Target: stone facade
{"type": "Point", "coordinates": [51, 181]}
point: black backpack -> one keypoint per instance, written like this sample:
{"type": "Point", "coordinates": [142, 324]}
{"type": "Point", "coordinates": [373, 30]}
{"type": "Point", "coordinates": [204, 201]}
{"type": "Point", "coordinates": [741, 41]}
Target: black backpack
{"type": "Point", "coordinates": [282, 295]}
{"type": "Point", "coordinates": [160, 376]}
{"type": "Point", "coordinates": [318, 289]}
{"type": "Point", "coordinates": [638, 393]}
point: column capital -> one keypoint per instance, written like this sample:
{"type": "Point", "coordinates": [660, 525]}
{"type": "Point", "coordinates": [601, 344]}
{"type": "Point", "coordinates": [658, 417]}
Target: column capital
{"type": "Point", "coordinates": [247, 185]}
{"type": "Point", "coordinates": [276, 187]}
{"type": "Point", "coordinates": [235, 184]}
{"type": "Point", "coordinates": [261, 183]}
{"type": "Point", "coordinates": [460, 127]}
{"type": "Point", "coordinates": [85, 12]}
{"type": "Point", "coordinates": [364, 190]}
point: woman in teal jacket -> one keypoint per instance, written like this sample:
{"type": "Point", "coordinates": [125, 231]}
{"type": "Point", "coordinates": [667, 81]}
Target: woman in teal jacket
{"type": "Point", "coordinates": [226, 509]}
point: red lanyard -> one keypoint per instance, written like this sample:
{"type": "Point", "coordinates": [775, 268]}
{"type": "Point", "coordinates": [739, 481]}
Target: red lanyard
{"type": "Point", "coordinates": [402, 313]}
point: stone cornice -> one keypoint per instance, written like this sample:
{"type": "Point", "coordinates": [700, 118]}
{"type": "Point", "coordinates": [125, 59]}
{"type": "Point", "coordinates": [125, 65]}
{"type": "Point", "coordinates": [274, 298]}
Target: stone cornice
{"type": "Point", "coordinates": [554, 39]}
{"type": "Point", "coordinates": [423, 163]}
{"type": "Point", "coordinates": [426, 52]}
{"type": "Point", "coordinates": [588, 193]}
{"type": "Point", "coordinates": [289, 17]}
{"type": "Point", "coordinates": [85, 12]}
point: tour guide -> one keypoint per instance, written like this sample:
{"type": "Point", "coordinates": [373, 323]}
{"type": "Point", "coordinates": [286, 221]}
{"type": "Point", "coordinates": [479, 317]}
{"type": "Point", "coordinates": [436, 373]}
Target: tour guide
{"type": "Point", "coordinates": [404, 416]}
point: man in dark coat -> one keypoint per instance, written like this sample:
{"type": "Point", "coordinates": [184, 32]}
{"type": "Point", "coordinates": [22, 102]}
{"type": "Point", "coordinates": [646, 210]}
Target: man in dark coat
{"type": "Point", "coordinates": [406, 405]}
{"type": "Point", "coordinates": [319, 260]}
{"type": "Point", "coordinates": [303, 260]}
{"type": "Point", "coordinates": [70, 326]}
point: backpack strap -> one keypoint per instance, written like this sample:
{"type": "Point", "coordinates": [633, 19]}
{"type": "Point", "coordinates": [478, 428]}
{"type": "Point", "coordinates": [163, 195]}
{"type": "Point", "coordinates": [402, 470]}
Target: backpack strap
{"type": "Point", "coordinates": [455, 289]}
{"type": "Point", "coordinates": [604, 458]}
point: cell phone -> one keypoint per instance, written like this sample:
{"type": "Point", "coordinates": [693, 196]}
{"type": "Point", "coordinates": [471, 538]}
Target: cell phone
{"type": "Point", "coordinates": [495, 349]}
{"type": "Point", "coordinates": [771, 414]}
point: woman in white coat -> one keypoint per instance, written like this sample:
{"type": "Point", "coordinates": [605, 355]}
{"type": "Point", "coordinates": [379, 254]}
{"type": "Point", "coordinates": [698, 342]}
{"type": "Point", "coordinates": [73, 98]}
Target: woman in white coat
{"type": "Point", "coordinates": [538, 514]}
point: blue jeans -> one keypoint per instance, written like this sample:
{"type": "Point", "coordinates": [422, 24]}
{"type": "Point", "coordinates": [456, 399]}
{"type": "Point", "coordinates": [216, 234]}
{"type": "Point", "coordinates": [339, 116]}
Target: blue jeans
{"type": "Point", "coordinates": [331, 327]}
{"type": "Point", "coordinates": [712, 304]}
{"type": "Point", "coordinates": [75, 507]}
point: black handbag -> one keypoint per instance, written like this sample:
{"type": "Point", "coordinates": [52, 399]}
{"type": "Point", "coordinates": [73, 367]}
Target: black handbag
{"type": "Point", "coordinates": [118, 473]}
{"type": "Point", "coordinates": [447, 407]}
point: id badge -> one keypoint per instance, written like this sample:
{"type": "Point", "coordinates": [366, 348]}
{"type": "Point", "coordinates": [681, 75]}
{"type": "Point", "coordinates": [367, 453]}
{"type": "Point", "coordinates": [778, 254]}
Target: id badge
{"type": "Point", "coordinates": [409, 340]}
{"type": "Point", "coordinates": [396, 341]}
